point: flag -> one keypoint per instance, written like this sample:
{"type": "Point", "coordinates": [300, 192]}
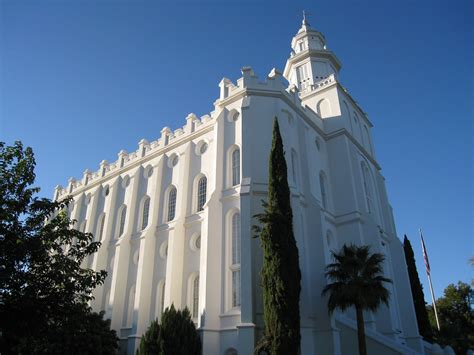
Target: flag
{"type": "Point", "coordinates": [425, 255]}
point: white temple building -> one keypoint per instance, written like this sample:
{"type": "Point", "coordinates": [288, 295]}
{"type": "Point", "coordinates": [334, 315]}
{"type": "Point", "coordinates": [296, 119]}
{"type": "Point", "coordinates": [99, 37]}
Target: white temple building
{"type": "Point", "coordinates": [175, 216]}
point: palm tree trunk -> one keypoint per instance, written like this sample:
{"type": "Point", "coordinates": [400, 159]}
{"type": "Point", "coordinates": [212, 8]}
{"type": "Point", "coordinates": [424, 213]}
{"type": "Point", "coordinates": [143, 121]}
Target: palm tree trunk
{"type": "Point", "coordinates": [361, 330]}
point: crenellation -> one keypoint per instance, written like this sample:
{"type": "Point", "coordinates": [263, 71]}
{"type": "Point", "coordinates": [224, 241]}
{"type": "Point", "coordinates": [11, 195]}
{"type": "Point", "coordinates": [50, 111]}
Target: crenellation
{"type": "Point", "coordinates": [142, 147]}
{"type": "Point", "coordinates": [145, 148]}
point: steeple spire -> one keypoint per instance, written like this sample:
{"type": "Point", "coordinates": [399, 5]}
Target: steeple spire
{"type": "Point", "coordinates": [305, 21]}
{"type": "Point", "coordinates": [310, 61]}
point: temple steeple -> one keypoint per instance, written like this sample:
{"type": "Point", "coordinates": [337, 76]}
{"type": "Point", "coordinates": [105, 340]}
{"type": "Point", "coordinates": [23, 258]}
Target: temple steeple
{"type": "Point", "coordinates": [310, 61]}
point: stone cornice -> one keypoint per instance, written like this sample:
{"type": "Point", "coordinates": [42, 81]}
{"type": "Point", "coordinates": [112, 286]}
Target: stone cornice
{"type": "Point", "coordinates": [312, 53]}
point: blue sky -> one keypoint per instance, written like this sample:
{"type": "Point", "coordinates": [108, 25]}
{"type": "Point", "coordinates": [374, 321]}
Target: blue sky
{"type": "Point", "coordinates": [81, 80]}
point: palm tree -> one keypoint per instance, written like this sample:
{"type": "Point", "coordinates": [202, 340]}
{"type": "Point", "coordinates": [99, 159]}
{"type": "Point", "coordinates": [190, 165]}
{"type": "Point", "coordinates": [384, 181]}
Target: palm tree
{"type": "Point", "coordinates": [357, 281]}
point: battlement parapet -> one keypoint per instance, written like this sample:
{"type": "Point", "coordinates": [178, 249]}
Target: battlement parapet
{"type": "Point", "coordinates": [125, 159]}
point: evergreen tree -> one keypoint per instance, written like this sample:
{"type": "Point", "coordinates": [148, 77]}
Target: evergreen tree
{"type": "Point", "coordinates": [424, 326]}
{"type": "Point", "coordinates": [149, 344]}
{"type": "Point", "coordinates": [281, 274]}
{"type": "Point", "coordinates": [178, 334]}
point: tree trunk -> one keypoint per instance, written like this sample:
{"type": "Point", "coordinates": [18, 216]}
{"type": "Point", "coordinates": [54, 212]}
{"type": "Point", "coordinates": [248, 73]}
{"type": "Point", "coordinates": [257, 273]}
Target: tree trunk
{"type": "Point", "coordinates": [361, 330]}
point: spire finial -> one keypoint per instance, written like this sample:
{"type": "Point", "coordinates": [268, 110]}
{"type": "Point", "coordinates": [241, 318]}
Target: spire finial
{"type": "Point", "coordinates": [305, 21]}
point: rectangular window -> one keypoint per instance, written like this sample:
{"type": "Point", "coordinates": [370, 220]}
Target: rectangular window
{"type": "Point", "coordinates": [196, 297]}
{"type": "Point", "coordinates": [236, 167]}
{"type": "Point", "coordinates": [146, 212]}
{"type": "Point", "coordinates": [202, 191]}
{"type": "Point", "coordinates": [122, 220]}
{"type": "Point", "coordinates": [172, 204]}
{"type": "Point", "coordinates": [236, 288]}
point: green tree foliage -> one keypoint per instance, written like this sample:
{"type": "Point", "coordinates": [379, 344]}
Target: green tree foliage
{"type": "Point", "coordinates": [150, 342]}
{"type": "Point", "coordinates": [176, 335]}
{"type": "Point", "coordinates": [357, 280]}
{"type": "Point", "coordinates": [456, 318]}
{"type": "Point", "coordinates": [44, 292]}
{"type": "Point", "coordinates": [424, 326]}
{"type": "Point", "coordinates": [281, 274]}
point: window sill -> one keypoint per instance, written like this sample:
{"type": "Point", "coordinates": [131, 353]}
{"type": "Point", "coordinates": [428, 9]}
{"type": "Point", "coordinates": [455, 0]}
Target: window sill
{"type": "Point", "coordinates": [231, 313]}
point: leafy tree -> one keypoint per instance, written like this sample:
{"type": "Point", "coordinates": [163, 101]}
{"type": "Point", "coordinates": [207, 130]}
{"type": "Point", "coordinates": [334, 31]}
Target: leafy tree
{"type": "Point", "coordinates": [357, 281]}
{"type": "Point", "coordinates": [176, 335]}
{"type": "Point", "coordinates": [456, 318]}
{"type": "Point", "coordinates": [44, 292]}
{"type": "Point", "coordinates": [417, 292]}
{"type": "Point", "coordinates": [281, 274]}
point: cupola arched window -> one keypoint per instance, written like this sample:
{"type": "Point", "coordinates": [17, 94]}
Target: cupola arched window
{"type": "Point", "coordinates": [202, 191]}
{"type": "Point", "coordinates": [172, 203]}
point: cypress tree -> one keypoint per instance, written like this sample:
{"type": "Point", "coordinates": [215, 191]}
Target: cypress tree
{"type": "Point", "coordinates": [280, 273]}
{"type": "Point", "coordinates": [178, 334]}
{"type": "Point", "coordinates": [417, 292]}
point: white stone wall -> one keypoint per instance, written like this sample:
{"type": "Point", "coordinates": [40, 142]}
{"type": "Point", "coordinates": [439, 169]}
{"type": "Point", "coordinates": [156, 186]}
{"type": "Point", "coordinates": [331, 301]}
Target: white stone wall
{"type": "Point", "coordinates": [325, 134]}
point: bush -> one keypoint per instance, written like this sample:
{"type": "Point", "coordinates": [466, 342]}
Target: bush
{"type": "Point", "coordinates": [176, 335]}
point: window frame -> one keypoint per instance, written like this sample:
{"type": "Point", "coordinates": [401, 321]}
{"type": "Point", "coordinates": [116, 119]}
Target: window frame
{"type": "Point", "coordinates": [235, 167]}
{"type": "Point", "coordinates": [145, 211]}
{"type": "Point", "coordinates": [168, 218]}
{"type": "Point", "coordinates": [122, 219]}
{"type": "Point", "coordinates": [234, 261]}
{"type": "Point", "coordinates": [323, 190]}
{"type": "Point", "coordinates": [201, 192]}
{"type": "Point", "coordinates": [100, 227]}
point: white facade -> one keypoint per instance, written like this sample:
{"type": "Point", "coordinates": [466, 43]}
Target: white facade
{"type": "Point", "coordinates": [175, 216]}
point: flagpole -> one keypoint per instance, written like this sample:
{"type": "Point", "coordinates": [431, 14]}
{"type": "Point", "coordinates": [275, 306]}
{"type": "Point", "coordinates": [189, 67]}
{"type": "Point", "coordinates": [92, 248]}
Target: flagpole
{"type": "Point", "coordinates": [428, 272]}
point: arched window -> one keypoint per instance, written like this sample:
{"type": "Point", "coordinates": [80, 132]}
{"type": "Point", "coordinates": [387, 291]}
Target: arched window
{"type": "Point", "coordinates": [367, 187]}
{"type": "Point", "coordinates": [367, 139]}
{"type": "Point", "coordinates": [172, 203]}
{"type": "Point", "coordinates": [294, 166]}
{"type": "Point", "coordinates": [195, 305]}
{"type": "Point", "coordinates": [123, 215]}
{"type": "Point", "coordinates": [330, 240]}
{"type": "Point", "coordinates": [323, 108]}
{"type": "Point", "coordinates": [236, 167]}
{"type": "Point", "coordinates": [201, 196]}
{"type": "Point", "coordinates": [323, 187]}
{"type": "Point", "coordinates": [146, 212]}
{"type": "Point", "coordinates": [162, 305]}
{"type": "Point", "coordinates": [160, 299]}
{"type": "Point", "coordinates": [100, 229]}
{"type": "Point", "coordinates": [131, 306]}
{"type": "Point", "coordinates": [235, 262]}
